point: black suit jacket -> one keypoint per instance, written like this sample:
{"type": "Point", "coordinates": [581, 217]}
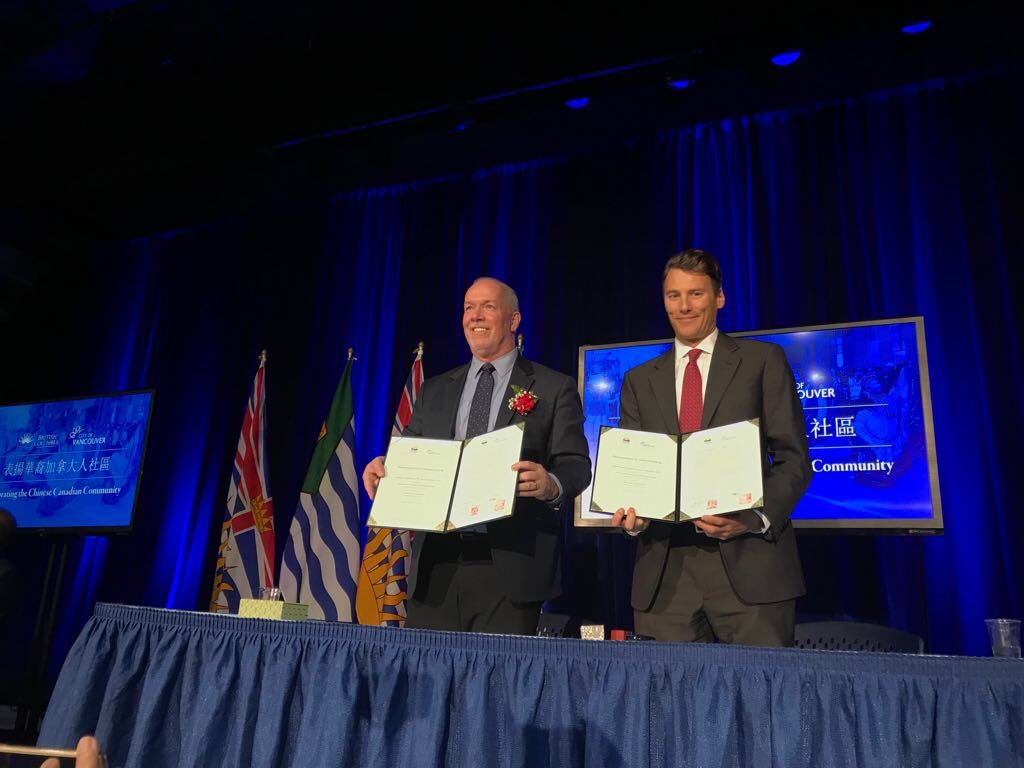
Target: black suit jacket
{"type": "Point", "coordinates": [525, 546]}
{"type": "Point", "coordinates": [747, 379]}
{"type": "Point", "coordinates": [10, 594]}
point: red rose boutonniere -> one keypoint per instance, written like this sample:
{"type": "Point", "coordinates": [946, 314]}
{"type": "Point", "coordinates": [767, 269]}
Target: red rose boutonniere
{"type": "Point", "coordinates": [523, 401]}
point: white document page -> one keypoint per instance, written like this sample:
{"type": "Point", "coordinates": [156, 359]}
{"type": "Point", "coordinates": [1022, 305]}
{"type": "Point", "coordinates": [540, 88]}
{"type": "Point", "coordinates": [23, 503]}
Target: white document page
{"type": "Point", "coordinates": [417, 486]}
{"type": "Point", "coordinates": [635, 469]}
{"type": "Point", "coordinates": [486, 486]}
{"type": "Point", "coordinates": [721, 471]}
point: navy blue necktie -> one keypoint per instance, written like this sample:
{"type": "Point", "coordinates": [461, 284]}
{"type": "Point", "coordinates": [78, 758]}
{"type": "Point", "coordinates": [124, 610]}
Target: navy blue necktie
{"type": "Point", "coordinates": [480, 409]}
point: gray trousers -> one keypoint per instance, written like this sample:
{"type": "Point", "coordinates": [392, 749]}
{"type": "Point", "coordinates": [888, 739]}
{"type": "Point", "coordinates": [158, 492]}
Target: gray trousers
{"type": "Point", "coordinates": [696, 603]}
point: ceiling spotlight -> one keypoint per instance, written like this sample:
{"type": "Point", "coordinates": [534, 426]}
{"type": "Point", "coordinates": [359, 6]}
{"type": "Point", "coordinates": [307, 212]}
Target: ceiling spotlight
{"type": "Point", "coordinates": [463, 126]}
{"type": "Point", "coordinates": [916, 28]}
{"type": "Point", "coordinates": [786, 58]}
{"type": "Point", "coordinates": [581, 103]}
{"type": "Point", "coordinates": [678, 83]}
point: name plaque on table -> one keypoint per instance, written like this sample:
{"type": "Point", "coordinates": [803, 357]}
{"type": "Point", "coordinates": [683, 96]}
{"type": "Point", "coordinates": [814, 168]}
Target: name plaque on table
{"type": "Point", "coordinates": [251, 608]}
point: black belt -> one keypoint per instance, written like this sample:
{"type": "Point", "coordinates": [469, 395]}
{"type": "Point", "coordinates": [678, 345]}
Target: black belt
{"type": "Point", "coordinates": [688, 535]}
{"type": "Point", "coordinates": [474, 545]}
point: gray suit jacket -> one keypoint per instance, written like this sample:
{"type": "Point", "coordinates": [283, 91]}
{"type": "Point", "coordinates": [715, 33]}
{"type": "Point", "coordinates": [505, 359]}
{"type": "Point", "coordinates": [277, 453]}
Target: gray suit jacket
{"type": "Point", "coordinates": [525, 546]}
{"type": "Point", "coordinates": [747, 379]}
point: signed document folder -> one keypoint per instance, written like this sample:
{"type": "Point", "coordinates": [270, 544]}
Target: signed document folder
{"type": "Point", "coordinates": [445, 485]}
{"type": "Point", "coordinates": [676, 478]}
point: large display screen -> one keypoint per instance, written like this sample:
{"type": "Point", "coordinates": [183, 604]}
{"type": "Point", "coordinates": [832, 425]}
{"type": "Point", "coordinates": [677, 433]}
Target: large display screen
{"type": "Point", "coordinates": [74, 465]}
{"type": "Point", "coordinates": [867, 411]}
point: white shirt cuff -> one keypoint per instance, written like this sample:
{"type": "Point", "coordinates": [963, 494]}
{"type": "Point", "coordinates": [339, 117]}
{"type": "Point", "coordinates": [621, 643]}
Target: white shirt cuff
{"type": "Point", "coordinates": [558, 499]}
{"type": "Point", "coordinates": [765, 522]}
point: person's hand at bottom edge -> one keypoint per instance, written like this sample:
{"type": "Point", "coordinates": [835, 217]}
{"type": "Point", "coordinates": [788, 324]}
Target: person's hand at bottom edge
{"type": "Point", "coordinates": [87, 755]}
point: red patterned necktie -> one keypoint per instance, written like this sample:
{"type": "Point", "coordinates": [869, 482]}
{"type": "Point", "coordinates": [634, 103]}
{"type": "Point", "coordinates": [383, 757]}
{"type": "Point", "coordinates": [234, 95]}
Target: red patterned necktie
{"type": "Point", "coordinates": [691, 401]}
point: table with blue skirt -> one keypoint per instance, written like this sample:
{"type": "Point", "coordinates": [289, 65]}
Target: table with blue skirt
{"type": "Point", "coordinates": [164, 688]}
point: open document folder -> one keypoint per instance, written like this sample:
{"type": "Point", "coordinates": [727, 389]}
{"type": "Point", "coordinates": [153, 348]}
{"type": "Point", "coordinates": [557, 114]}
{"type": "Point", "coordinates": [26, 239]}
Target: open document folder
{"type": "Point", "coordinates": [679, 477]}
{"type": "Point", "coordinates": [444, 485]}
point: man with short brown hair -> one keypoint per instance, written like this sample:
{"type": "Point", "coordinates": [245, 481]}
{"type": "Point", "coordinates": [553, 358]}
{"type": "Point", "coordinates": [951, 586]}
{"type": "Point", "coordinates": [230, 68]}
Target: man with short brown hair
{"type": "Point", "coordinates": [732, 578]}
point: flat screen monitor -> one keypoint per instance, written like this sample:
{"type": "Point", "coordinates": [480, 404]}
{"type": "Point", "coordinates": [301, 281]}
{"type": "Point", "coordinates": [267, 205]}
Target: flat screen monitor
{"type": "Point", "coordinates": [74, 465]}
{"type": "Point", "coordinates": [867, 411]}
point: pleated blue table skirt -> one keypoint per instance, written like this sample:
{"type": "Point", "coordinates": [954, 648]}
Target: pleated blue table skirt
{"type": "Point", "coordinates": [171, 688]}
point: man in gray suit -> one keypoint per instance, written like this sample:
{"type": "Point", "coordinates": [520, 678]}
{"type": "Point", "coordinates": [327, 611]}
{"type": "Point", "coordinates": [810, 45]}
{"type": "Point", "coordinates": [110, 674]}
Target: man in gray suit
{"type": "Point", "coordinates": [495, 578]}
{"type": "Point", "coordinates": [736, 577]}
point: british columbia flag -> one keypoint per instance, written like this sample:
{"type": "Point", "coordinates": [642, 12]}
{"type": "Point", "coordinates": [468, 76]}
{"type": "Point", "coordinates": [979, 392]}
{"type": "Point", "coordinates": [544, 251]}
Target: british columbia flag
{"type": "Point", "coordinates": [245, 558]}
{"type": "Point", "coordinates": [383, 590]}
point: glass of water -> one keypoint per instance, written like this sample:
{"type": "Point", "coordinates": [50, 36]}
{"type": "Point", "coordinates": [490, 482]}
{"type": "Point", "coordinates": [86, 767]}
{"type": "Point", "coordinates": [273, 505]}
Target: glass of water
{"type": "Point", "coordinates": [1004, 635]}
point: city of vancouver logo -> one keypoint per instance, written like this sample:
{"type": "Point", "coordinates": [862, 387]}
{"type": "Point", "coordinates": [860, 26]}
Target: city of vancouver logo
{"type": "Point", "coordinates": [813, 394]}
{"type": "Point", "coordinates": [79, 437]}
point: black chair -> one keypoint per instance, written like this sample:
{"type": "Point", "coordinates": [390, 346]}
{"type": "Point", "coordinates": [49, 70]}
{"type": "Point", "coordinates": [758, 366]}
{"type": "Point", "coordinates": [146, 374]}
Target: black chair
{"type": "Point", "coordinates": [855, 636]}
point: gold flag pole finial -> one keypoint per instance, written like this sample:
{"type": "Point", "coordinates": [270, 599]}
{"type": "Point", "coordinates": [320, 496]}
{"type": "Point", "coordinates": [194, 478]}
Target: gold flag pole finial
{"type": "Point", "coordinates": [264, 356]}
{"type": "Point", "coordinates": [519, 343]}
{"type": "Point", "coordinates": [419, 350]}
{"type": "Point", "coordinates": [351, 354]}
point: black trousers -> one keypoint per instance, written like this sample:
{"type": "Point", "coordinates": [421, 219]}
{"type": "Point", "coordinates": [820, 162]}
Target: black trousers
{"type": "Point", "coordinates": [458, 589]}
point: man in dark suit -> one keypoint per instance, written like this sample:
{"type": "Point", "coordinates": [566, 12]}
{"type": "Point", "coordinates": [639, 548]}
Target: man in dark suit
{"type": "Point", "coordinates": [495, 578]}
{"type": "Point", "coordinates": [10, 581]}
{"type": "Point", "coordinates": [736, 577]}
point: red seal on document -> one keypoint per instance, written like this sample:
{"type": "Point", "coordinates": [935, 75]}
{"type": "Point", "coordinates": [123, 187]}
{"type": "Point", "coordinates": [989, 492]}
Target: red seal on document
{"type": "Point", "coordinates": [746, 498]}
{"type": "Point", "coordinates": [522, 400]}
{"type": "Point", "coordinates": [499, 505]}
{"type": "Point", "coordinates": [474, 511]}
{"type": "Point", "coordinates": [712, 503]}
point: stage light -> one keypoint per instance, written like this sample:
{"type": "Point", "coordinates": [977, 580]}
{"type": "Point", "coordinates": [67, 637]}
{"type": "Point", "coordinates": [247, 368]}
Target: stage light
{"type": "Point", "coordinates": [581, 103]}
{"type": "Point", "coordinates": [916, 28]}
{"type": "Point", "coordinates": [462, 126]}
{"type": "Point", "coordinates": [678, 83]}
{"type": "Point", "coordinates": [786, 58]}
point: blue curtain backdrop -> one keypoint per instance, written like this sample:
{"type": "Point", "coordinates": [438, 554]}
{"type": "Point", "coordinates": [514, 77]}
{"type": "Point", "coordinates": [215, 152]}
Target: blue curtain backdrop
{"type": "Point", "coordinates": [896, 203]}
